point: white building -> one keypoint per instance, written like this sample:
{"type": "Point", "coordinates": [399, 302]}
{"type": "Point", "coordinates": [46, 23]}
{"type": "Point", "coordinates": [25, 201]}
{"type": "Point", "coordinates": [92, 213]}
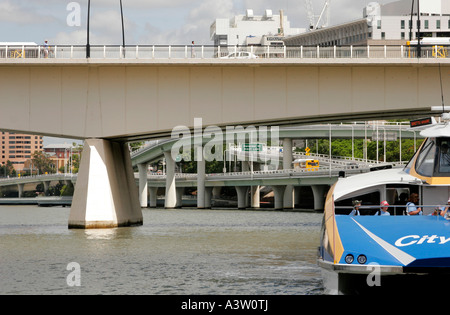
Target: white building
{"type": "Point", "coordinates": [383, 24]}
{"type": "Point", "coordinates": [250, 29]}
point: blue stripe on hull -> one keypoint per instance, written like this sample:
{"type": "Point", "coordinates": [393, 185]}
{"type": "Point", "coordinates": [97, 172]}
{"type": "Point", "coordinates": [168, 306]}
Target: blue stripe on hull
{"type": "Point", "coordinates": [419, 241]}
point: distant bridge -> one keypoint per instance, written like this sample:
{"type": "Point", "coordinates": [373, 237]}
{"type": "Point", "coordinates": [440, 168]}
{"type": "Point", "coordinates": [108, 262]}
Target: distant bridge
{"type": "Point", "coordinates": [247, 180]}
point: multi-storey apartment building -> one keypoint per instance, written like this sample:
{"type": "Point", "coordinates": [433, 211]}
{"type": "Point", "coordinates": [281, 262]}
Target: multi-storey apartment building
{"type": "Point", "coordinates": [18, 148]}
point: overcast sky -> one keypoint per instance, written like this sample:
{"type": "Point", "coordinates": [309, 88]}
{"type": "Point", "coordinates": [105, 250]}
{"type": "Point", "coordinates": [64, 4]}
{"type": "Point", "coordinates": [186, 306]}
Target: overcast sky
{"type": "Point", "coordinates": [147, 21]}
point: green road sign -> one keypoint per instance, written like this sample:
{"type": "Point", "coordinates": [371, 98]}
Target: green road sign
{"type": "Point", "coordinates": [252, 147]}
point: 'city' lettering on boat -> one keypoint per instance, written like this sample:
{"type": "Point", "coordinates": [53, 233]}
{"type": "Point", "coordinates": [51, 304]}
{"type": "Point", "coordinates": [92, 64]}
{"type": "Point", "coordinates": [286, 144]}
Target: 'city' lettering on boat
{"type": "Point", "coordinates": [419, 240]}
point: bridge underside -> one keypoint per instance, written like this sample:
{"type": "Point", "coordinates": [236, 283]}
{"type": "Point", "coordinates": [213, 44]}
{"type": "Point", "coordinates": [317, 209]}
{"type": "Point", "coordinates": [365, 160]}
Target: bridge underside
{"type": "Point", "coordinates": [131, 101]}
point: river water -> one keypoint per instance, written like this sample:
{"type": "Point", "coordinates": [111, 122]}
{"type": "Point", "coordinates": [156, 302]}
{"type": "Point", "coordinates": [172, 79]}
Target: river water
{"type": "Point", "coordinates": [182, 252]}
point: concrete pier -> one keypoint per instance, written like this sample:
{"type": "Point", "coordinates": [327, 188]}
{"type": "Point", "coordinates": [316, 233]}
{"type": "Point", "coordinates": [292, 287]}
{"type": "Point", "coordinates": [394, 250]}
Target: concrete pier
{"type": "Point", "coordinates": [143, 185]}
{"type": "Point", "coordinates": [171, 192]}
{"type": "Point", "coordinates": [106, 194]}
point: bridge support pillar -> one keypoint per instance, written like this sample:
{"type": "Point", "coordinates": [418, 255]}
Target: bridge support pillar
{"type": "Point", "coordinates": [216, 191]}
{"type": "Point", "coordinates": [208, 197]}
{"type": "Point", "coordinates": [279, 192]}
{"type": "Point", "coordinates": [143, 185]}
{"type": "Point", "coordinates": [180, 192]}
{"type": "Point", "coordinates": [153, 192]}
{"type": "Point", "coordinates": [318, 192]}
{"type": "Point", "coordinates": [171, 192]}
{"type": "Point", "coordinates": [297, 196]}
{"type": "Point", "coordinates": [106, 194]}
{"type": "Point", "coordinates": [288, 200]}
{"type": "Point", "coordinates": [242, 196]}
{"type": "Point", "coordinates": [255, 197]}
{"type": "Point", "coordinates": [201, 177]}
{"type": "Point", "coordinates": [20, 188]}
{"type": "Point", "coordinates": [46, 187]}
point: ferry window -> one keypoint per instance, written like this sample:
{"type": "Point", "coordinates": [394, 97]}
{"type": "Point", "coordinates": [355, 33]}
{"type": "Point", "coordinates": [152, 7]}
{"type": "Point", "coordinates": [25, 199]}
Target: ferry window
{"type": "Point", "coordinates": [425, 160]}
{"type": "Point", "coordinates": [370, 204]}
{"type": "Point", "coordinates": [444, 155]}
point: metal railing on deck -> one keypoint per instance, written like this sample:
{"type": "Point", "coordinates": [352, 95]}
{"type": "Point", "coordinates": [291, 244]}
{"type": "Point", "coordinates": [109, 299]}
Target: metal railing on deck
{"type": "Point", "coordinates": [214, 52]}
{"type": "Point", "coordinates": [395, 210]}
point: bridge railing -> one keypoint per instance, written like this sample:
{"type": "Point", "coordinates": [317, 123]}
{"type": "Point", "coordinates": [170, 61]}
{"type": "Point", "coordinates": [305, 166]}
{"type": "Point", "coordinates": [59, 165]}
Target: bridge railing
{"type": "Point", "coordinates": [321, 171]}
{"type": "Point", "coordinates": [43, 177]}
{"type": "Point", "coordinates": [215, 52]}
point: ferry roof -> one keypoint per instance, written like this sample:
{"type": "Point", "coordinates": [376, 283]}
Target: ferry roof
{"type": "Point", "coordinates": [345, 187]}
{"type": "Point", "coordinates": [436, 131]}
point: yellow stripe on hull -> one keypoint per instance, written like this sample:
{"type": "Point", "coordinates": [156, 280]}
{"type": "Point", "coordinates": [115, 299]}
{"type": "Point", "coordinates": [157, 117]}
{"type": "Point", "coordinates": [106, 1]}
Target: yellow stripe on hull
{"type": "Point", "coordinates": [335, 246]}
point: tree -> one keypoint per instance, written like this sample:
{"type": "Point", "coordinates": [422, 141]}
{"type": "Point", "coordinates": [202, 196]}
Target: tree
{"type": "Point", "coordinates": [136, 146]}
{"type": "Point", "coordinates": [7, 170]}
{"type": "Point", "coordinates": [42, 162]}
{"type": "Point", "coordinates": [343, 147]}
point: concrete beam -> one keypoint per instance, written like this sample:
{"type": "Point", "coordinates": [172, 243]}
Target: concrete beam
{"type": "Point", "coordinates": [122, 101]}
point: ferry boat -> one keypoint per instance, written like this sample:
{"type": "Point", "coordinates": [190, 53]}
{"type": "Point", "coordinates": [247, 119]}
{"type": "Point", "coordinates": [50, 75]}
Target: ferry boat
{"type": "Point", "coordinates": [396, 253]}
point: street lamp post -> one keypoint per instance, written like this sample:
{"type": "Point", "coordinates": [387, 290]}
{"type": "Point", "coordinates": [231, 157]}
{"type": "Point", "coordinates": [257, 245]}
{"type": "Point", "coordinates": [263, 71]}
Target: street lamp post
{"type": "Point", "coordinates": [123, 28]}
{"type": "Point", "coordinates": [88, 47]}
{"type": "Point", "coordinates": [419, 48]}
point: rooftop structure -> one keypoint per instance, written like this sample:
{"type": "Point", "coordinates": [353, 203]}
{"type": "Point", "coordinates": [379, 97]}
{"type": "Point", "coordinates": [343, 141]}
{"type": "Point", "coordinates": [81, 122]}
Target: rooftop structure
{"type": "Point", "coordinates": [383, 24]}
{"type": "Point", "coordinates": [250, 29]}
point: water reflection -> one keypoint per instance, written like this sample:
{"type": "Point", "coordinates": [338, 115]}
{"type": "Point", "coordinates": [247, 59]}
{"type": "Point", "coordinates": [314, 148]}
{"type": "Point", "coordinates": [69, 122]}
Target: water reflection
{"type": "Point", "coordinates": [101, 234]}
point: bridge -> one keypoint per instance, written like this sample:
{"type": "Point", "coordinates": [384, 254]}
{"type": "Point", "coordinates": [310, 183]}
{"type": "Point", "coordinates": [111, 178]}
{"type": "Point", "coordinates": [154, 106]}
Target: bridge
{"type": "Point", "coordinates": [109, 101]}
{"type": "Point", "coordinates": [285, 182]}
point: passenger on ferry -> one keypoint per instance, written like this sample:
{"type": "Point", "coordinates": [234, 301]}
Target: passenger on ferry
{"type": "Point", "coordinates": [442, 211]}
{"type": "Point", "coordinates": [445, 213]}
{"type": "Point", "coordinates": [411, 208]}
{"type": "Point", "coordinates": [356, 205]}
{"type": "Point", "coordinates": [383, 208]}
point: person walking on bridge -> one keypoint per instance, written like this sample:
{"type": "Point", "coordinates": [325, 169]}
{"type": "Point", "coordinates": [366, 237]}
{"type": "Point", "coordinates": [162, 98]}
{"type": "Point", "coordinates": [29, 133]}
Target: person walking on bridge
{"type": "Point", "coordinates": [46, 49]}
{"type": "Point", "coordinates": [193, 50]}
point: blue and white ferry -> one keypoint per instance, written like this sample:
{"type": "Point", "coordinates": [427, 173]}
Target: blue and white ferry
{"type": "Point", "coordinates": [370, 254]}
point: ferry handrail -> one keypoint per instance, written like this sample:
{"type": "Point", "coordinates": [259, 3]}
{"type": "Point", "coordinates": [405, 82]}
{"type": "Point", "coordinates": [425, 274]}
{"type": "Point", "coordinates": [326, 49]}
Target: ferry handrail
{"type": "Point", "coordinates": [368, 207]}
{"type": "Point", "coordinates": [394, 207]}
